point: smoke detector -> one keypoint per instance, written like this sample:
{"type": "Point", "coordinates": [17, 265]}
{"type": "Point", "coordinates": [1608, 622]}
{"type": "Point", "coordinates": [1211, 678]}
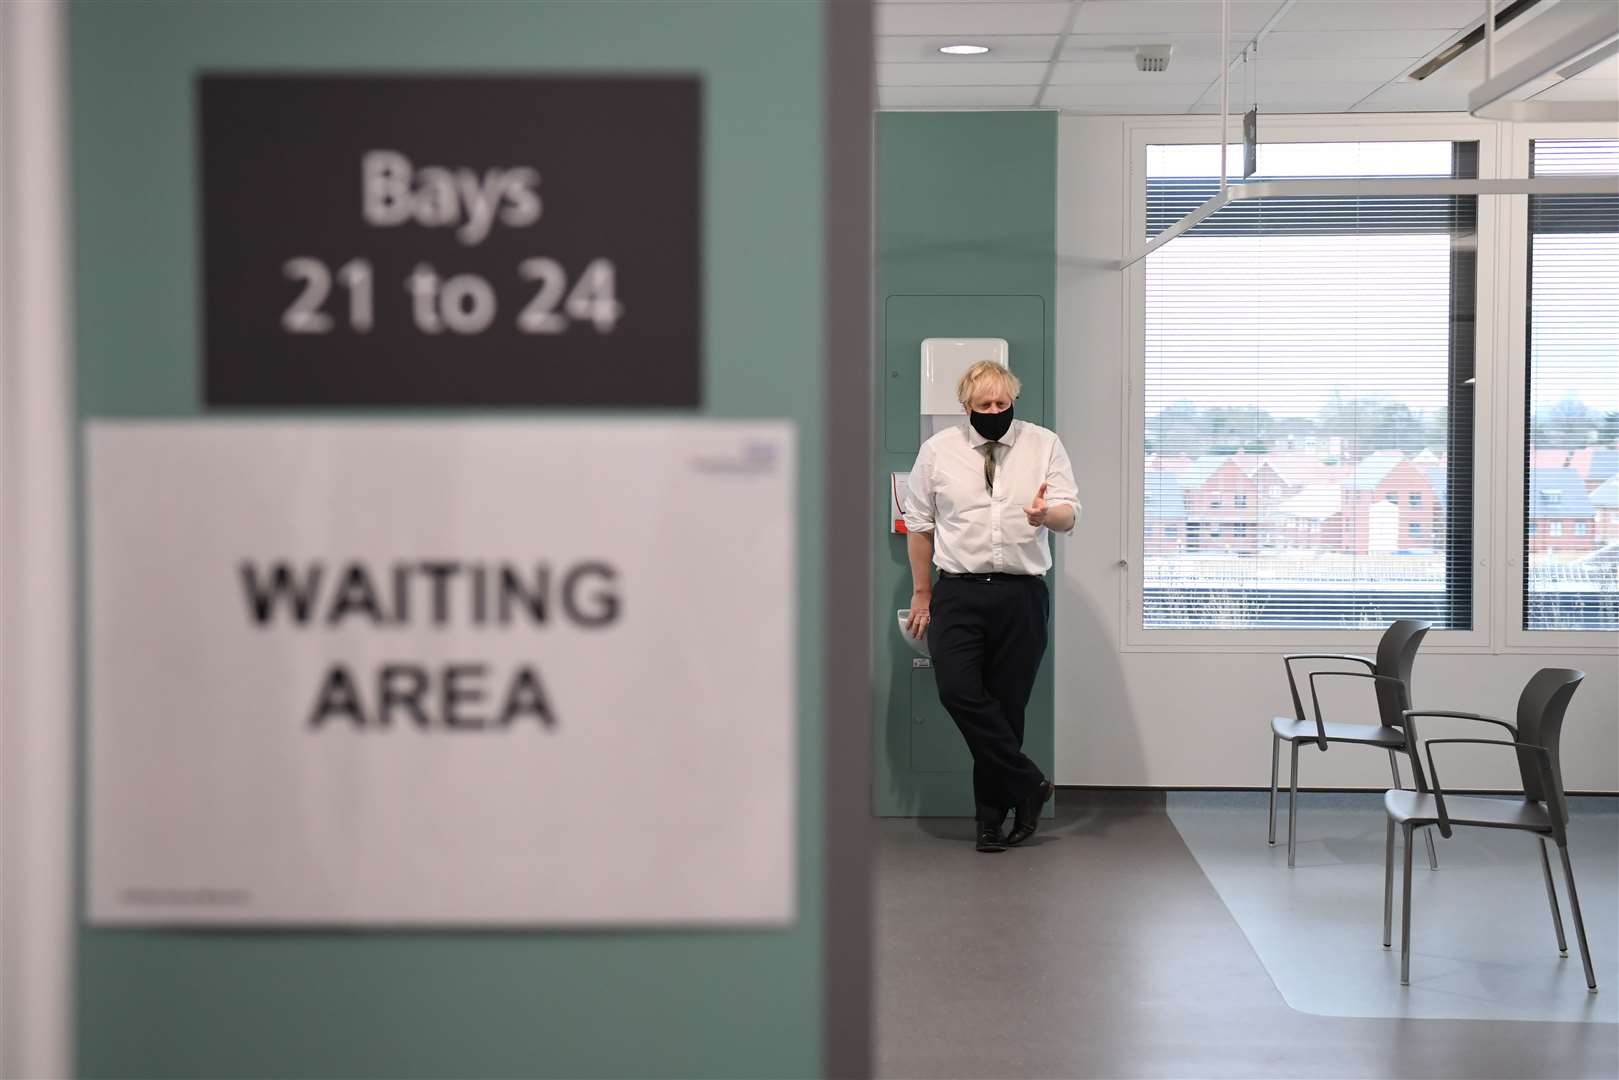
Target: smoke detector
{"type": "Point", "coordinates": [1153, 57]}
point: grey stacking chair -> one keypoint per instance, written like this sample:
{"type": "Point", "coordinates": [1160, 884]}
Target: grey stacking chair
{"type": "Point", "coordinates": [1390, 676]}
{"type": "Point", "coordinates": [1543, 809]}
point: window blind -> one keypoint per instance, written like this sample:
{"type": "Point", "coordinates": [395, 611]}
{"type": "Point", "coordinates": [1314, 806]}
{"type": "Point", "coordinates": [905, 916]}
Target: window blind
{"type": "Point", "coordinates": [1308, 395]}
{"type": "Point", "coordinates": [1571, 467]}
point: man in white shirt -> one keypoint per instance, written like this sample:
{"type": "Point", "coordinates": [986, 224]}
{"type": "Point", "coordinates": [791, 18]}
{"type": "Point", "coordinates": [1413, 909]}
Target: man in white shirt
{"type": "Point", "coordinates": [984, 497]}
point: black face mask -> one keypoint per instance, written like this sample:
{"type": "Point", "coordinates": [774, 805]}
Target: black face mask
{"type": "Point", "coordinates": [992, 425]}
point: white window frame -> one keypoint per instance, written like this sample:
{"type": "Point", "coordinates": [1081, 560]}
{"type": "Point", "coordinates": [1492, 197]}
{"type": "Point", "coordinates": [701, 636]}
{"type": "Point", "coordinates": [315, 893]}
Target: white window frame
{"type": "Point", "coordinates": [1514, 330]}
{"type": "Point", "coordinates": [1416, 127]}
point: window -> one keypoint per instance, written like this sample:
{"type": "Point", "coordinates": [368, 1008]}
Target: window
{"type": "Point", "coordinates": [1416, 529]}
{"type": "Point", "coordinates": [1415, 498]}
{"type": "Point", "coordinates": [1323, 345]}
{"type": "Point", "coordinates": [1571, 420]}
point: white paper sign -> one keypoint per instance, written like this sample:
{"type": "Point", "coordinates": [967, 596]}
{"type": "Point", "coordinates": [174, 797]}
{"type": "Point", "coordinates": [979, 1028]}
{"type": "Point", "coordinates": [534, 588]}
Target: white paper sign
{"type": "Point", "coordinates": [403, 673]}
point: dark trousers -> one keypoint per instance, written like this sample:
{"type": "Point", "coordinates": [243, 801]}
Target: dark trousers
{"type": "Point", "coordinates": [987, 635]}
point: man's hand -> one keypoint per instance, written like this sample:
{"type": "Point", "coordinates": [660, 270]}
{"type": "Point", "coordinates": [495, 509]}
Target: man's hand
{"type": "Point", "coordinates": [921, 602]}
{"type": "Point", "coordinates": [1036, 510]}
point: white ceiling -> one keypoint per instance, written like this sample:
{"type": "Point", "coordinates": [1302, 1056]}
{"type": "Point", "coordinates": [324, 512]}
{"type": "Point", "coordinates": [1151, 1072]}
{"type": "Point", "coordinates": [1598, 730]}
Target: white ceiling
{"type": "Point", "coordinates": [1322, 56]}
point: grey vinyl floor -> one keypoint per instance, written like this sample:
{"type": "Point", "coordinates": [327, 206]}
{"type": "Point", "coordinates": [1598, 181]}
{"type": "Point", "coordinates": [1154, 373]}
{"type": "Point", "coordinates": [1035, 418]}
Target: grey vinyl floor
{"type": "Point", "coordinates": [1101, 949]}
{"type": "Point", "coordinates": [1483, 946]}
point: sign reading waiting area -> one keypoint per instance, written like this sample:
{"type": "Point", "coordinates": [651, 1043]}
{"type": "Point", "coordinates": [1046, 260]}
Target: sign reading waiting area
{"type": "Point", "coordinates": [414, 673]}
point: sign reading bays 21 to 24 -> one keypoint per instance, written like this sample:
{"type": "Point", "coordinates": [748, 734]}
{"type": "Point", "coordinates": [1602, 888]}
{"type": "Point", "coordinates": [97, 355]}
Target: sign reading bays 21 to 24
{"type": "Point", "coordinates": [449, 240]}
{"type": "Point", "coordinates": [415, 673]}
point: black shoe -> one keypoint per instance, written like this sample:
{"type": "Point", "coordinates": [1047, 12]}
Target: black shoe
{"type": "Point", "coordinates": [1026, 817]}
{"type": "Point", "coordinates": [990, 839]}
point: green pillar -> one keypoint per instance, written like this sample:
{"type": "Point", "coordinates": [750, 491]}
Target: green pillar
{"type": "Point", "coordinates": [719, 1002]}
{"type": "Point", "coordinates": [966, 247]}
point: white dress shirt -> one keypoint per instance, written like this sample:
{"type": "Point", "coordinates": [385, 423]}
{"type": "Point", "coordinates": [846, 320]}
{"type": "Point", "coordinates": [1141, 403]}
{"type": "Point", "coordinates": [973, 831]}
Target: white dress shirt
{"type": "Point", "coordinates": [976, 531]}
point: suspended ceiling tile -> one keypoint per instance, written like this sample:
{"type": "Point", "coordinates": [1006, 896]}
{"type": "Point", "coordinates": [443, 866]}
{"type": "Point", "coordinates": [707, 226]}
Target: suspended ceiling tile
{"type": "Point", "coordinates": [1091, 46]}
{"type": "Point", "coordinates": [1266, 70]}
{"type": "Point", "coordinates": [1382, 14]}
{"type": "Point", "coordinates": [1170, 16]}
{"type": "Point", "coordinates": [960, 74]}
{"type": "Point", "coordinates": [1427, 96]}
{"type": "Point", "coordinates": [955, 97]}
{"type": "Point", "coordinates": [1411, 44]}
{"type": "Point", "coordinates": [1381, 44]}
{"type": "Point", "coordinates": [1121, 71]}
{"type": "Point", "coordinates": [936, 19]}
{"type": "Point", "coordinates": [1123, 99]}
{"type": "Point", "coordinates": [1303, 97]}
{"type": "Point", "coordinates": [1002, 48]}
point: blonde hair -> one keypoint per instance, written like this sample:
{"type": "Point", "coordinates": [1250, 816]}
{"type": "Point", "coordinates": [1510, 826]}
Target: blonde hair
{"type": "Point", "coordinates": [982, 372]}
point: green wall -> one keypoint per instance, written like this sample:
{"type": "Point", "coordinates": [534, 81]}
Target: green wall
{"type": "Point", "coordinates": [966, 247]}
{"type": "Point", "coordinates": [356, 1004]}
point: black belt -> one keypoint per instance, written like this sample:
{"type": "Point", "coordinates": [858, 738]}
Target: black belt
{"type": "Point", "coordinates": [996, 576]}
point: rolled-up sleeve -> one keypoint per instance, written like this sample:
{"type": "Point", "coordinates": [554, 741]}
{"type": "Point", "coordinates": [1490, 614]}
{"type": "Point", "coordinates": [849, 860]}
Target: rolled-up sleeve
{"type": "Point", "coordinates": [919, 494]}
{"type": "Point", "coordinates": [1060, 485]}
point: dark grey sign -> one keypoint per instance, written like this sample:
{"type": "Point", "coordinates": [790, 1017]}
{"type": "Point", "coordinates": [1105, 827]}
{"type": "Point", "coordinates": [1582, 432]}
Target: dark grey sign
{"type": "Point", "coordinates": [436, 240]}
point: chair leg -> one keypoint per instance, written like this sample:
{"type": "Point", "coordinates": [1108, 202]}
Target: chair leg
{"type": "Point", "coordinates": [1275, 758]}
{"type": "Point", "coordinates": [1388, 885]}
{"type": "Point", "coordinates": [1405, 915]}
{"type": "Point", "coordinates": [1579, 923]}
{"type": "Point", "coordinates": [1427, 834]}
{"type": "Point", "coordinates": [1551, 898]}
{"type": "Point", "coordinates": [1293, 805]}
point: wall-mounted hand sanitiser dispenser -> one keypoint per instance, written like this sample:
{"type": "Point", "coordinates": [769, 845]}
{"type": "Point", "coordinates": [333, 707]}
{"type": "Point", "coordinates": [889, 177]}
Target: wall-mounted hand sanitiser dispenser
{"type": "Point", "coordinates": [944, 362]}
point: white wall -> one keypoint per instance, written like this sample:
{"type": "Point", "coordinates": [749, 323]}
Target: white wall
{"type": "Point", "coordinates": [1201, 718]}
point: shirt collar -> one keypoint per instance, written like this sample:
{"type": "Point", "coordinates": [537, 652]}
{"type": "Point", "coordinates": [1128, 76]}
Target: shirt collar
{"type": "Point", "coordinates": [976, 440]}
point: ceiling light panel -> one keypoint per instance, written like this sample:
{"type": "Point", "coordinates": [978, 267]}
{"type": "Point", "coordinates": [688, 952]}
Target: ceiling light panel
{"type": "Point", "coordinates": [1029, 48]}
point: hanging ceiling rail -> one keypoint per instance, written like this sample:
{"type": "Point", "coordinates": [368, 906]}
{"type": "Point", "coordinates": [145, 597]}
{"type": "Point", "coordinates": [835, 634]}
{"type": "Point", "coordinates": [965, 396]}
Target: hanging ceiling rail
{"type": "Point", "coordinates": [1378, 188]}
{"type": "Point", "coordinates": [1489, 101]}
{"type": "Point", "coordinates": [1571, 46]}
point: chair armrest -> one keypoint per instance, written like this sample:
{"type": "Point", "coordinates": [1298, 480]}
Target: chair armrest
{"type": "Point", "coordinates": [1411, 730]}
{"type": "Point", "coordinates": [1542, 763]}
{"type": "Point", "coordinates": [1293, 686]}
{"type": "Point", "coordinates": [1409, 713]}
{"type": "Point", "coordinates": [1316, 700]}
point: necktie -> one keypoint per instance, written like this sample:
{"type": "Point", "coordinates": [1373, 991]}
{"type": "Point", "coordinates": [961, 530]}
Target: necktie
{"type": "Point", "coordinates": [989, 466]}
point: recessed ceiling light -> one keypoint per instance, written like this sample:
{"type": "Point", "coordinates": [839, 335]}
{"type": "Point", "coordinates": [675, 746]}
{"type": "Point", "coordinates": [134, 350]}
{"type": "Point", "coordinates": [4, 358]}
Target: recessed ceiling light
{"type": "Point", "coordinates": [963, 50]}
